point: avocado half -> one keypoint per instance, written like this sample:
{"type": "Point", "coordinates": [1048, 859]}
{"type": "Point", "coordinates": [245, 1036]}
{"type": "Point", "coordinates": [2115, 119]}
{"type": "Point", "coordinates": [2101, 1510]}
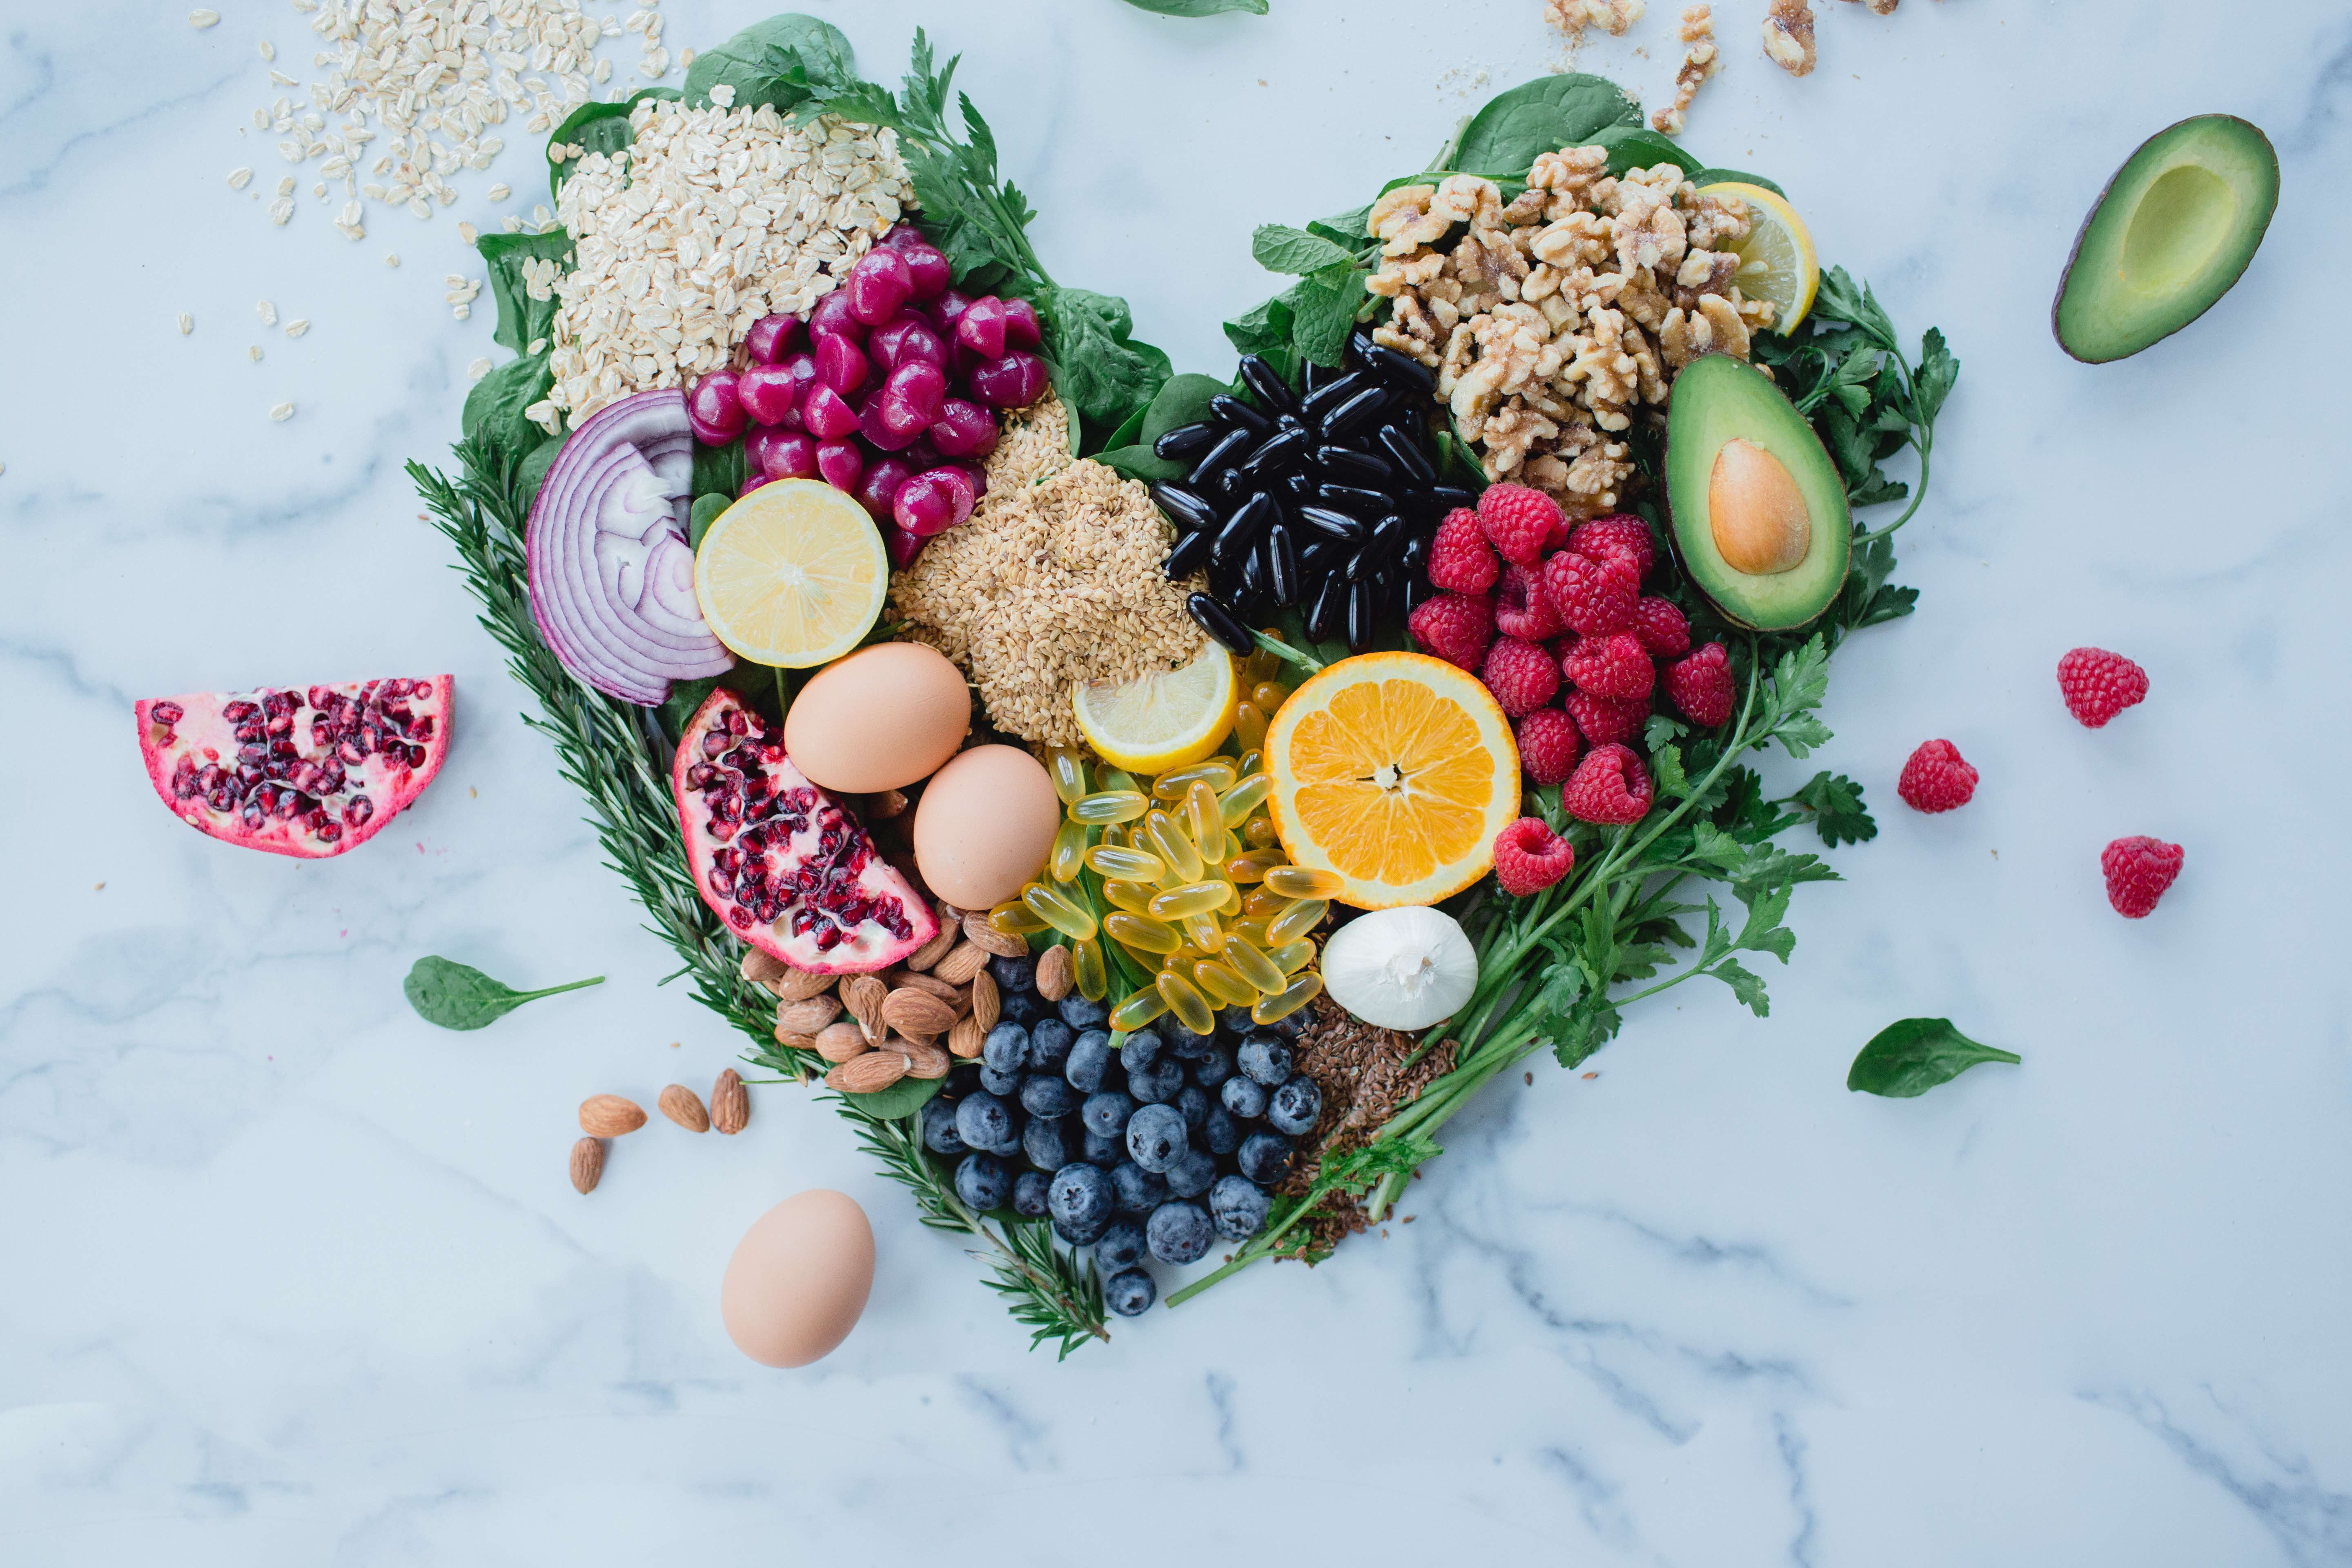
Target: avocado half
{"type": "Point", "coordinates": [1757, 509]}
{"type": "Point", "coordinates": [2170, 235]}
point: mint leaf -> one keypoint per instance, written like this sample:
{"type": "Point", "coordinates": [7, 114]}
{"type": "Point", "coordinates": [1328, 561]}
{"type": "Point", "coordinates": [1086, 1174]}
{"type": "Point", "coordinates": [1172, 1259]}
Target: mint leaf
{"type": "Point", "coordinates": [1323, 308]}
{"type": "Point", "coordinates": [1278, 247]}
{"type": "Point", "coordinates": [1912, 1056]}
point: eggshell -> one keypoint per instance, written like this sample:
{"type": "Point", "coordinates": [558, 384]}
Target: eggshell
{"type": "Point", "coordinates": [985, 824]}
{"type": "Point", "coordinates": [884, 718]}
{"type": "Point", "coordinates": [799, 1279]}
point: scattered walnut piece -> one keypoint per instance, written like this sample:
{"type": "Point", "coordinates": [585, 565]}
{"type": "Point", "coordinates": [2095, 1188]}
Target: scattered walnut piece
{"type": "Point", "coordinates": [1788, 37]}
{"type": "Point", "coordinates": [1612, 16]}
{"type": "Point", "coordinates": [1883, 7]}
{"type": "Point", "coordinates": [1700, 60]}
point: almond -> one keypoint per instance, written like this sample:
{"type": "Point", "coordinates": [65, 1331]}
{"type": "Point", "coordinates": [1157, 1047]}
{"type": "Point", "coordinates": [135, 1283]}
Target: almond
{"type": "Point", "coordinates": [931, 982]}
{"type": "Point", "coordinates": [923, 1058]}
{"type": "Point", "coordinates": [609, 1116]}
{"type": "Point", "coordinates": [967, 959]}
{"type": "Point", "coordinates": [864, 1075]}
{"type": "Point", "coordinates": [1053, 978]}
{"type": "Point", "coordinates": [882, 807]}
{"type": "Point", "coordinates": [793, 1042]}
{"type": "Point", "coordinates": [587, 1165]}
{"type": "Point", "coordinates": [760, 967]}
{"type": "Point", "coordinates": [730, 1107]}
{"type": "Point", "coordinates": [799, 985]}
{"type": "Point", "coordinates": [808, 1015]}
{"type": "Point", "coordinates": [964, 1039]}
{"type": "Point", "coordinates": [985, 999]}
{"type": "Point", "coordinates": [915, 1012]}
{"type": "Point", "coordinates": [988, 939]}
{"type": "Point", "coordinates": [863, 995]}
{"type": "Point", "coordinates": [683, 1106]}
{"type": "Point", "coordinates": [931, 952]}
{"type": "Point", "coordinates": [839, 1042]}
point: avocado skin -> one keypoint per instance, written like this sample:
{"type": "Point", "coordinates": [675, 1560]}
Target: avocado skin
{"type": "Point", "coordinates": [2218, 285]}
{"type": "Point", "coordinates": [1780, 429]}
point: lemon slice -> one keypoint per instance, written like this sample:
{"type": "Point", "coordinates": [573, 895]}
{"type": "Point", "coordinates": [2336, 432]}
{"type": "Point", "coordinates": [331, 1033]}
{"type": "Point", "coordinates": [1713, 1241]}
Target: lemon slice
{"type": "Point", "coordinates": [1159, 721]}
{"type": "Point", "coordinates": [793, 574]}
{"type": "Point", "coordinates": [1776, 261]}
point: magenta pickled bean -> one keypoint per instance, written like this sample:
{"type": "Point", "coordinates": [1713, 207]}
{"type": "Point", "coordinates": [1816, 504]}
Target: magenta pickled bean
{"type": "Point", "coordinates": [832, 318]}
{"type": "Point", "coordinates": [827, 413]}
{"type": "Point", "coordinates": [1021, 330]}
{"type": "Point", "coordinates": [753, 483]}
{"type": "Point", "coordinates": [841, 364]}
{"type": "Point", "coordinates": [880, 430]}
{"type": "Point", "coordinates": [919, 390]}
{"type": "Point", "coordinates": [841, 465]}
{"type": "Point", "coordinates": [714, 410]}
{"type": "Point", "coordinates": [771, 337]}
{"type": "Point", "coordinates": [878, 285]}
{"type": "Point", "coordinates": [963, 430]}
{"type": "Point", "coordinates": [928, 268]}
{"type": "Point", "coordinates": [768, 393]}
{"type": "Point", "coordinates": [981, 328]}
{"type": "Point", "coordinates": [781, 453]}
{"type": "Point", "coordinates": [1016, 380]}
{"type": "Point", "coordinates": [881, 486]}
{"type": "Point", "coordinates": [947, 309]}
{"type": "Point", "coordinates": [903, 546]}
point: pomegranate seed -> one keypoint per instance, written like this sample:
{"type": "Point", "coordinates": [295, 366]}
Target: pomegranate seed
{"type": "Point", "coordinates": [328, 833]}
{"type": "Point", "coordinates": [358, 809]}
{"type": "Point", "coordinates": [167, 712]}
{"type": "Point", "coordinates": [238, 712]}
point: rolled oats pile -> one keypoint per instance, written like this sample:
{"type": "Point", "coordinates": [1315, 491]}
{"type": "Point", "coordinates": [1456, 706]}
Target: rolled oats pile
{"type": "Point", "coordinates": [1055, 579]}
{"type": "Point", "coordinates": [1555, 319]}
{"type": "Point", "coordinates": [711, 219]}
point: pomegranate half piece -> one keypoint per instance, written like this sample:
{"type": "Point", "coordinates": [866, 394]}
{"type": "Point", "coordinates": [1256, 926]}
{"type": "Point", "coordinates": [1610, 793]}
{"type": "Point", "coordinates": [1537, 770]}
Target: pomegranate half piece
{"type": "Point", "coordinates": [304, 772]}
{"type": "Point", "coordinates": [783, 863]}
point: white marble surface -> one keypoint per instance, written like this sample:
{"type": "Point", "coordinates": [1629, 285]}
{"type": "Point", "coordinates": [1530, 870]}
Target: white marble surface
{"type": "Point", "coordinates": [287, 1276]}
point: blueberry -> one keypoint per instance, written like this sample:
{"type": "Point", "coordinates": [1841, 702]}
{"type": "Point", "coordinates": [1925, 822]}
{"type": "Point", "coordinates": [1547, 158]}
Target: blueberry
{"type": "Point", "coordinates": [1079, 1199]}
{"type": "Point", "coordinates": [1238, 1204]}
{"type": "Point", "coordinates": [1021, 1007]}
{"type": "Point", "coordinates": [962, 1079]}
{"type": "Point", "coordinates": [1046, 1142]}
{"type": "Point", "coordinates": [1213, 1068]}
{"type": "Point", "coordinates": [1004, 1085]}
{"type": "Point", "coordinates": [1049, 1044]}
{"type": "Point", "coordinates": [1264, 1157]}
{"type": "Point", "coordinates": [1006, 1048]}
{"type": "Point", "coordinates": [1142, 1048]}
{"type": "Point", "coordinates": [1135, 1189]}
{"type": "Point", "coordinates": [982, 1183]}
{"type": "Point", "coordinates": [1089, 1055]}
{"type": "Point", "coordinates": [1013, 975]}
{"type": "Point", "coordinates": [1265, 1058]}
{"type": "Point", "coordinates": [987, 1124]}
{"type": "Point", "coordinates": [1043, 1094]}
{"type": "Point", "coordinates": [1155, 1136]}
{"type": "Point", "coordinates": [1291, 1025]}
{"type": "Point", "coordinates": [1103, 1149]}
{"type": "Point", "coordinates": [1157, 1083]}
{"type": "Point", "coordinates": [1245, 1097]}
{"type": "Point", "coordinates": [1220, 1134]}
{"type": "Point", "coordinates": [1130, 1294]}
{"type": "Point", "coordinates": [1235, 1020]}
{"type": "Point", "coordinates": [1121, 1248]}
{"type": "Point", "coordinates": [1183, 1043]}
{"type": "Point", "coordinates": [1106, 1112]}
{"type": "Point", "coordinates": [1029, 1194]}
{"type": "Point", "coordinates": [1080, 1014]}
{"type": "Point", "coordinates": [1189, 1176]}
{"type": "Point", "coordinates": [1178, 1232]}
{"type": "Point", "coordinates": [1192, 1104]}
{"type": "Point", "coordinates": [1295, 1107]}
{"type": "Point", "coordinates": [939, 1134]}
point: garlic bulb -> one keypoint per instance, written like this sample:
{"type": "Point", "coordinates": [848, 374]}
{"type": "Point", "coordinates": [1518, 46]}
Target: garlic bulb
{"type": "Point", "coordinates": [1400, 969]}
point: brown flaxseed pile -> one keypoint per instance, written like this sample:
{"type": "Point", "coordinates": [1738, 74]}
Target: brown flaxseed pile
{"type": "Point", "coordinates": [1364, 1078]}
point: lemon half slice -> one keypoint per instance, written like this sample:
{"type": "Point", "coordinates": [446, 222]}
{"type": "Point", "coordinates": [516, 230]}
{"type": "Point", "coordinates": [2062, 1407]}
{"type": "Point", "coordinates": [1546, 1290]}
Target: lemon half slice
{"type": "Point", "coordinates": [1776, 261]}
{"type": "Point", "coordinates": [793, 574]}
{"type": "Point", "coordinates": [1155, 722]}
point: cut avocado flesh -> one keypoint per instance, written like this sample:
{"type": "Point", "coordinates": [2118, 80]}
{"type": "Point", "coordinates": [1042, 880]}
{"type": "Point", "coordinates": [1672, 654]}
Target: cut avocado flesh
{"type": "Point", "coordinates": [2171, 233]}
{"type": "Point", "coordinates": [1758, 513]}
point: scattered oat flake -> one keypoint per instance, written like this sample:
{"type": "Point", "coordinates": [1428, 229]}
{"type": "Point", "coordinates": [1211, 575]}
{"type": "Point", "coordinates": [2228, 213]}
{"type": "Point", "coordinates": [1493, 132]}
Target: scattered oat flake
{"type": "Point", "coordinates": [254, 353]}
{"type": "Point", "coordinates": [202, 19]}
{"type": "Point", "coordinates": [187, 323]}
{"type": "Point", "coordinates": [723, 96]}
{"type": "Point", "coordinates": [267, 312]}
{"type": "Point", "coordinates": [297, 327]}
{"type": "Point", "coordinates": [268, 49]}
{"type": "Point", "coordinates": [282, 413]}
{"type": "Point", "coordinates": [499, 192]}
{"type": "Point", "coordinates": [392, 260]}
{"type": "Point", "coordinates": [239, 178]}
{"type": "Point", "coordinates": [478, 369]}
{"type": "Point", "coordinates": [468, 232]}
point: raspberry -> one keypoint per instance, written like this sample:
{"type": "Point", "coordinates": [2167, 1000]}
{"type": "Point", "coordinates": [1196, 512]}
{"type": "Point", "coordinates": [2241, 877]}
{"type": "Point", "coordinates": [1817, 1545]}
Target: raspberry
{"type": "Point", "coordinates": [1610, 786]}
{"type": "Point", "coordinates": [2138, 870]}
{"type": "Point", "coordinates": [1596, 597]}
{"type": "Point", "coordinates": [1522, 608]}
{"type": "Point", "coordinates": [1460, 561]}
{"type": "Point", "coordinates": [1519, 521]}
{"type": "Point", "coordinates": [1700, 685]}
{"type": "Point", "coordinates": [1614, 666]}
{"type": "Point", "coordinates": [1548, 745]}
{"type": "Point", "coordinates": [1936, 778]}
{"type": "Point", "coordinates": [1622, 534]}
{"type": "Point", "coordinates": [1663, 627]}
{"type": "Point", "coordinates": [1530, 856]}
{"type": "Point", "coordinates": [1606, 720]}
{"type": "Point", "coordinates": [2098, 685]}
{"type": "Point", "coordinates": [1456, 627]}
{"type": "Point", "coordinates": [1521, 676]}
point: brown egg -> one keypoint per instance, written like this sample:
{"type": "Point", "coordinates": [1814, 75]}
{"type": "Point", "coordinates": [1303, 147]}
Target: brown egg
{"type": "Point", "coordinates": [884, 718]}
{"type": "Point", "coordinates": [799, 1279]}
{"type": "Point", "coordinates": [985, 824]}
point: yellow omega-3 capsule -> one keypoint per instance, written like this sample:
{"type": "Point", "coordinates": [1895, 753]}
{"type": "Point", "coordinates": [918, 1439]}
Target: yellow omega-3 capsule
{"type": "Point", "coordinates": [1132, 865]}
{"type": "Point", "coordinates": [1229, 989]}
{"type": "Point", "coordinates": [1268, 695]}
{"type": "Point", "coordinates": [1253, 761]}
{"type": "Point", "coordinates": [1249, 726]}
{"type": "Point", "coordinates": [1133, 897]}
{"type": "Point", "coordinates": [1263, 662]}
{"type": "Point", "coordinates": [1248, 793]}
{"type": "Point", "coordinates": [1295, 921]}
{"type": "Point", "coordinates": [1138, 1009]}
{"type": "Point", "coordinates": [1184, 1000]}
{"type": "Point", "coordinates": [1172, 785]}
{"type": "Point", "coordinates": [1109, 805]}
{"type": "Point", "coordinates": [1259, 831]}
{"type": "Point", "coordinates": [1070, 775]}
{"type": "Point", "coordinates": [1190, 898]}
{"type": "Point", "coordinates": [1288, 1000]}
{"type": "Point", "coordinates": [1262, 902]}
{"type": "Point", "coordinates": [1256, 968]}
{"type": "Point", "coordinates": [1056, 910]}
{"type": "Point", "coordinates": [1292, 959]}
{"type": "Point", "coordinates": [1203, 932]}
{"type": "Point", "coordinates": [1250, 929]}
{"type": "Point", "coordinates": [1068, 856]}
{"type": "Point", "coordinates": [1141, 932]}
{"type": "Point", "coordinates": [1166, 839]}
{"type": "Point", "coordinates": [1305, 882]}
{"type": "Point", "coordinates": [1203, 818]}
{"type": "Point", "coordinates": [1253, 866]}
{"type": "Point", "coordinates": [1089, 969]}
{"type": "Point", "coordinates": [1015, 919]}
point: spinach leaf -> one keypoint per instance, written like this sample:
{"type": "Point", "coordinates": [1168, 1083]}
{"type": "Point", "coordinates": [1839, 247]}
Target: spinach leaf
{"type": "Point", "coordinates": [1198, 7]}
{"type": "Point", "coordinates": [494, 408]}
{"type": "Point", "coordinates": [1637, 146]}
{"type": "Point", "coordinates": [719, 471]}
{"type": "Point", "coordinates": [901, 1099]}
{"type": "Point", "coordinates": [533, 472]}
{"type": "Point", "coordinates": [459, 997]}
{"type": "Point", "coordinates": [1262, 330]}
{"type": "Point", "coordinates": [705, 512]}
{"type": "Point", "coordinates": [1184, 400]}
{"type": "Point", "coordinates": [1734, 176]}
{"type": "Point", "coordinates": [1278, 247]}
{"type": "Point", "coordinates": [783, 61]}
{"type": "Point", "coordinates": [597, 128]}
{"type": "Point", "coordinates": [1099, 369]}
{"type": "Point", "coordinates": [522, 318]}
{"type": "Point", "coordinates": [1541, 116]}
{"type": "Point", "coordinates": [1912, 1056]}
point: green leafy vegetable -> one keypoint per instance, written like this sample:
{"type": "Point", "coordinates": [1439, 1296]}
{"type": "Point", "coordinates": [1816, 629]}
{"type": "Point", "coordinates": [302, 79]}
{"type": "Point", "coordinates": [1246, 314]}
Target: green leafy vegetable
{"type": "Point", "coordinates": [597, 128]}
{"type": "Point", "coordinates": [522, 318]}
{"type": "Point", "coordinates": [782, 63]}
{"type": "Point", "coordinates": [1184, 400]}
{"type": "Point", "coordinates": [1912, 1056]}
{"type": "Point", "coordinates": [719, 471]}
{"type": "Point", "coordinates": [533, 472]}
{"type": "Point", "coordinates": [1834, 802]}
{"type": "Point", "coordinates": [1198, 7]}
{"type": "Point", "coordinates": [1636, 146]}
{"type": "Point", "coordinates": [1099, 369]}
{"type": "Point", "coordinates": [901, 1099]}
{"type": "Point", "coordinates": [459, 997]}
{"type": "Point", "coordinates": [1280, 248]}
{"type": "Point", "coordinates": [704, 512]}
{"type": "Point", "coordinates": [494, 407]}
{"type": "Point", "coordinates": [1734, 176]}
{"type": "Point", "coordinates": [1504, 139]}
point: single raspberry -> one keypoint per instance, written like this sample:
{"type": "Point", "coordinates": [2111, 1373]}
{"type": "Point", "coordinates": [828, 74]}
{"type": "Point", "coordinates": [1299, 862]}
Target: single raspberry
{"type": "Point", "coordinates": [2098, 685]}
{"type": "Point", "coordinates": [1614, 666]}
{"type": "Point", "coordinates": [1936, 778]}
{"type": "Point", "coordinates": [1456, 627]}
{"type": "Point", "coordinates": [1522, 608]}
{"type": "Point", "coordinates": [1607, 721]}
{"type": "Point", "coordinates": [1700, 685]}
{"type": "Point", "coordinates": [1610, 786]}
{"type": "Point", "coordinates": [1595, 597]}
{"type": "Point", "coordinates": [1520, 520]}
{"type": "Point", "coordinates": [2138, 871]}
{"type": "Point", "coordinates": [1548, 745]}
{"type": "Point", "coordinates": [1620, 533]}
{"type": "Point", "coordinates": [1521, 676]}
{"type": "Point", "coordinates": [1460, 560]}
{"type": "Point", "coordinates": [1530, 856]}
{"type": "Point", "coordinates": [1663, 627]}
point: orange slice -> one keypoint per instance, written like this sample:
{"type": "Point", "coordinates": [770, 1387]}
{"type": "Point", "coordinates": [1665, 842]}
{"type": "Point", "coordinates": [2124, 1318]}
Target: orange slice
{"type": "Point", "coordinates": [1396, 770]}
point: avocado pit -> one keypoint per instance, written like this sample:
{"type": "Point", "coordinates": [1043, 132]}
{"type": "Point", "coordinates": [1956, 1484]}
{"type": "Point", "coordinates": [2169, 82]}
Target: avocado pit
{"type": "Point", "coordinates": [1757, 515]}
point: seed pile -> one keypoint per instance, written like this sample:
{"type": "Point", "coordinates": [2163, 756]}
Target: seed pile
{"type": "Point", "coordinates": [1367, 1076]}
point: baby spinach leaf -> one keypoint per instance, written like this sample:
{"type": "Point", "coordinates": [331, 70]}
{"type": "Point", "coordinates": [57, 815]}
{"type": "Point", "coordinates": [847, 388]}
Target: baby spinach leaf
{"type": "Point", "coordinates": [1636, 146]}
{"type": "Point", "coordinates": [522, 318]}
{"type": "Point", "coordinates": [901, 1099]}
{"type": "Point", "coordinates": [1099, 369]}
{"type": "Point", "coordinates": [719, 471]}
{"type": "Point", "coordinates": [1278, 247]}
{"type": "Point", "coordinates": [1541, 116]}
{"type": "Point", "coordinates": [597, 128]}
{"type": "Point", "coordinates": [783, 61]}
{"type": "Point", "coordinates": [1184, 400]}
{"type": "Point", "coordinates": [1912, 1056]}
{"type": "Point", "coordinates": [460, 996]}
{"type": "Point", "coordinates": [704, 512]}
{"type": "Point", "coordinates": [494, 408]}
{"type": "Point", "coordinates": [1734, 176]}
{"type": "Point", "coordinates": [533, 472]}
{"type": "Point", "coordinates": [1198, 7]}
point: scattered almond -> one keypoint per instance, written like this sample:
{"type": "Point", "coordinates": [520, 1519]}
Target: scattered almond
{"type": "Point", "coordinates": [924, 1059]}
{"type": "Point", "coordinates": [967, 959]}
{"type": "Point", "coordinates": [965, 1038]}
{"type": "Point", "coordinates": [882, 807]}
{"type": "Point", "coordinates": [1053, 977]}
{"type": "Point", "coordinates": [730, 1107]}
{"type": "Point", "coordinates": [799, 985]}
{"type": "Point", "coordinates": [587, 1165]}
{"type": "Point", "coordinates": [793, 1042]}
{"type": "Point", "coordinates": [913, 1012]}
{"type": "Point", "coordinates": [988, 939]}
{"type": "Point", "coordinates": [683, 1106]}
{"type": "Point", "coordinates": [931, 952]}
{"type": "Point", "coordinates": [839, 1042]}
{"type": "Point", "coordinates": [931, 982]}
{"type": "Point", "coordinates": [865, 1074]}
{"type": "Point", "coordinates": [610, 1116]}
{"type": "Point", "coordinates": [808, 1015]}
{"type": "Point", "coordinates": [863, 995]}
{"type": "Point", "coordinates": [760, 967]}
{"type": "Point", "coordinates": [985, 999]}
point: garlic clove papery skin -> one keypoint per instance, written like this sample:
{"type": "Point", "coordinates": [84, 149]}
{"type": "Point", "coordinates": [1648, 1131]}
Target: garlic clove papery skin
{"type": "Point", "coordinates": [1400, 969]}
